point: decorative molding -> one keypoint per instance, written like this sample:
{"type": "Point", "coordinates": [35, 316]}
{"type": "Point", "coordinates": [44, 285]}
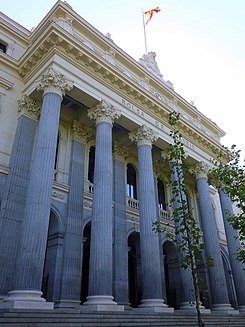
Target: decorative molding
{"type": "Point", "coordinates": [104, 112]}
{"type": "Point", "coordinates": [81, 133]}
{"type": "Point", "coordinates": [54, 82]}
{"type": "Point", "coordinates": [29, 107]}
{"type": "Point", "coordinates": [5, 84]}
{"type": "Point", "coordinates": [120, 152]}
{"type": "Point", "coordinates": [65, 22]}
{"type": "Point", "coordinates": [143, 136]}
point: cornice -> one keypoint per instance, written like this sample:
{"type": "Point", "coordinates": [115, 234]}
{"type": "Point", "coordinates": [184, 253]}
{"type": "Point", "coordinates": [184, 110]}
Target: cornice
{"type": "Point", "coordinates": [58, 41]}
{"type": "Point", "coordinates": [7, 85]}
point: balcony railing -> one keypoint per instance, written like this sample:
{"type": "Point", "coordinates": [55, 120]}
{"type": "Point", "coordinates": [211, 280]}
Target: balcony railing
{"type": "Point", "coordinates": [132, 203]}
{"type": "Point", "coordinates": [164, 214]}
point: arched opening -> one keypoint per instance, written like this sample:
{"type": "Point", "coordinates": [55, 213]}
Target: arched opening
{"type": "Point", "coordinates": [229, 282]}
{"type": "Point", "coordinates": [50, 284]}
{"type": "Point", "coordinates": [172, 275]}
{"type": "Point", "coordinates": [161, 194]}
{"type": "Point", "coordinates": [85, 262]}
{"type": "Point", "coordinates": [91, 162]}
{"type": "Point", "coordinates": [134, 270]}
{"type": "Point", "coordinates": [131, 182]}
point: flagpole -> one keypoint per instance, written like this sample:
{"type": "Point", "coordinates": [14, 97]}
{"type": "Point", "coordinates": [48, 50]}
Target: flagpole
{"type": "Point", "coordinates": [143, 15]}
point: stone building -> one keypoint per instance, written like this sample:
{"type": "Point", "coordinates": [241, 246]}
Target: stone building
{"type": "Point", "coordinates": [82, 130]}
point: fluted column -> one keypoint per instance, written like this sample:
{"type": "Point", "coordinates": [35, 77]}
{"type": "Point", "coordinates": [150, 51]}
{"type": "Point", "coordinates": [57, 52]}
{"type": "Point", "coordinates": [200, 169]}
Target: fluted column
{"type": "Point", "coordinates": [187, 285]}
{"type": "Point", "coordinates": [72, 255]}
{"type": "Point", "coordinates": [26, 286]}
{"type": "Point", "coordinates": [120, 248]}
{"type": "Point", "coordinates": [234, 245]}
{"type": "Point", "coordinates": [149, 240]}
{"type": "Point", "coordinates": [218, 287]}
{"type": "Point", "coordinates": [100, 269]}
{"type": "Point", "coordinates": [15, 190]}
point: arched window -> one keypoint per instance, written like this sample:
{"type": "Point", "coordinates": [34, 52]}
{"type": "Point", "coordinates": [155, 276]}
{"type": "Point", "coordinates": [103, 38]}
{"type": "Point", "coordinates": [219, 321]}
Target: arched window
{"type": "Point", "coordinates": [161, 194]}
{"type": "Point", "coordinates": [91, 164]}
{"type": "Point", "coordinates": [131, 182]}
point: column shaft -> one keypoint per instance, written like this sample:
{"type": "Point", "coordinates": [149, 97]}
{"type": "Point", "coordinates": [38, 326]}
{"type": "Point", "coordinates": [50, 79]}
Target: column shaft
{"type": "Point", "coordinates": [31, 256]}
{"type": "Point", "coordinates": [14, 197]}
{"type": "Point", "coordinates": [233, 246]}
{"type": "Point", "coordinates": [218, 285]}
{"type": "Point", "coordinates": [149, 241]}
{"type": "Point", "coordinates": [120, 235]}
{"type": "Point", "coordinates": [187, 285]}
{"type": "Point", "coordinates": [100, 279]}
{"type": "Point", "coordinates": [72, 257]}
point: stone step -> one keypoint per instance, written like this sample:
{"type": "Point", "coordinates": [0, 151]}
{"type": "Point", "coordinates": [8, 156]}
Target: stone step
{"type": "Point", "coordinates": [128, 319]}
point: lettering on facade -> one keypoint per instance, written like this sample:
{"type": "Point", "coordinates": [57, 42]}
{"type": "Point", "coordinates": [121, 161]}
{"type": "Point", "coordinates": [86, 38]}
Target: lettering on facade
{"type": "Point", "coordinates": [132, 108]}
{"type": "Point", "coordinates": [187, 143]}
{"type": "Point", "coordinates": [159, 125]}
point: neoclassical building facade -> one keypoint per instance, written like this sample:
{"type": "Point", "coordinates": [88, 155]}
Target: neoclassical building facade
{"type": "Point", "coordinates": [82, 130]}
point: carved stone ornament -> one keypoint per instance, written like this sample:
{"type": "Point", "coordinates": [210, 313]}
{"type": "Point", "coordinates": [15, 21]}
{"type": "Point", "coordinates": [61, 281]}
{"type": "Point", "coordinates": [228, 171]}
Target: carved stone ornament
{"type": "Point", "coordinates": [29, 107]}
{"type": "Point", "coordinates": [54, 82]}
{"type": "Point", "coordinates": [81, 133]}
{"type": "Point", "coordinates": [64, 22]}
{"type": "Point", "coordinates": [148, 61]}
{"type": "Point", "coordinates": [104, 112]}
{"type": "Point", "coordinates": [120, 151]}
{"type": "Point", "coordinates": [201, 170]}
{"type": "Point", "coordinates": [143, 136]}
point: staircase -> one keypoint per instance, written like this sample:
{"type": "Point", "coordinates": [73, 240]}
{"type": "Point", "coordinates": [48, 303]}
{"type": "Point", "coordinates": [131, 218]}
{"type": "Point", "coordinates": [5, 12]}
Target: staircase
{"type": "Point", "coordinates": [68, 318]}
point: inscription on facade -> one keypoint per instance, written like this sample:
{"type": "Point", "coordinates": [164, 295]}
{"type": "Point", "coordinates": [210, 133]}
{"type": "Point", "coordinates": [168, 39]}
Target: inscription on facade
{"type": "Point", "coordinates": [159, 125]}
{"type": "Point", "coordinates": [132, 108]}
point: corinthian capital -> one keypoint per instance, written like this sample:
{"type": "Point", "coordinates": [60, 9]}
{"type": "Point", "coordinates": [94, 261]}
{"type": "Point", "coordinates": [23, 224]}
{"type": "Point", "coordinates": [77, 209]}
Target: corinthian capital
{"type": "Point", "coordinates": [55, 83]}
{"type": "Point", "coordinates": [104, 112]}
{"type": "Point", "coordinates": [143, 136]}
{"type": "Point", "coordinates": [201, 170]}
{"type": "Point", "coordinates": [81, 133]}
{"type": "Point", "coordinates": [29, 107]}
{"type": "Point", "coordinates": [120, 151]}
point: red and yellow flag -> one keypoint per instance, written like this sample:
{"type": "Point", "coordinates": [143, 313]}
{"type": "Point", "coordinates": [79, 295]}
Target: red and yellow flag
{"type": "Point", "coordinates": [148, 14]}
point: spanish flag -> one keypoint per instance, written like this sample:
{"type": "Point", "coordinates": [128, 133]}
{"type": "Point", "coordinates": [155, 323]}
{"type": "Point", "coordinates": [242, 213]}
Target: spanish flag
{"type": "Point", "coordinates": [149, 14]}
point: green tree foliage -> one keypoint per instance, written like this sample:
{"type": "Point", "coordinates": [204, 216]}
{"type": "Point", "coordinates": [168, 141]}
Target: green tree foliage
{"type": "Point", "coordinates": [229, 175]}
{"type": "Point", "coordinates": [187, 235]}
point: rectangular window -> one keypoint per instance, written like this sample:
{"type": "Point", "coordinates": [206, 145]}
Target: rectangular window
{"type": "Point", "coordinates": [3, 47]}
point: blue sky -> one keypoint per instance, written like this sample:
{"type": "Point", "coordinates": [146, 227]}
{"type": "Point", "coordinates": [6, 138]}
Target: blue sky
{"type": "Point", "coordinates": [200, 47]}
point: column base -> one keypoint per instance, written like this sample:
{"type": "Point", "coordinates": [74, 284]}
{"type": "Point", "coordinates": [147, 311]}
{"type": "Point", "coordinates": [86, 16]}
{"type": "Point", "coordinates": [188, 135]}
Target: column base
{"type": "Point", "coordinates": [190, 308]}
{"type": "Point", "coordinates": [223, 308]}
{"type": "Point", "coordinates": [25, 299]}
{"type": "Point", "coordinates": [155, 305]}
{"type": "Point", "coordinates": [101, 303]}
{"type": "Point", "coordinates": [67, 304]}
{"type": "Point", "coordinates": [241, 309]}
